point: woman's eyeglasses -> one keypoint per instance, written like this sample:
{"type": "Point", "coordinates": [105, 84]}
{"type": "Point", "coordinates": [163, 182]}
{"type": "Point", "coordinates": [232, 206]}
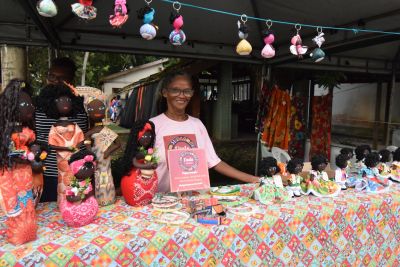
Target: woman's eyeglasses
{"type": "Point", "coordinates": [177, 92]}
{"type": "Point", "coordinates": [51, 77]}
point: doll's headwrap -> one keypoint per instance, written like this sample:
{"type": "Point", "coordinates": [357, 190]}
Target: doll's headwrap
{"type": "Point", "coordinates": [147, 127]}
{"type": "Point", "coordinates": [76, 165]}
{"type": "Point", "coordinates": [89, 94]}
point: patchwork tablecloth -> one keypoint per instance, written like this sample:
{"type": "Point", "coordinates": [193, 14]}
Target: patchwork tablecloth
{"type": "Point", "coordinates": [354, 229]}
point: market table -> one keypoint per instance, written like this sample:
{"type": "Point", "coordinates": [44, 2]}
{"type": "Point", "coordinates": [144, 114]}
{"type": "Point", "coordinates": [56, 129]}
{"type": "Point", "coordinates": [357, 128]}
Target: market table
{"type": "Point", "coordinates": [354, 229]}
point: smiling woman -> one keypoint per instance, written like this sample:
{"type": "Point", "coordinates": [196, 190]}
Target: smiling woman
{"type": "Point", "coordinates": [175, 129]}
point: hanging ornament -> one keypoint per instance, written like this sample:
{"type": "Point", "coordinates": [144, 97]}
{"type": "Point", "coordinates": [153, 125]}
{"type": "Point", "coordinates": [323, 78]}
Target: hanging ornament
{"type": "Point", "coordinates": [148, 30]}
{"type": "Point", "coordinates": [318, 54]}
{"type": "Point", "coordinates": [243, 48]}
{"type": "Point", "coordinates": [46, 8]}
{"type": "Point", "coordinates": [177, 36]}
{"type": "Point", "coordinates": [268, 51]}
{"type": "Point", "coordinates": [297, 47]}
{"type": "Point", "coordinates": [84, 9]}
{"type": "Point", "coordinates": [120, 14]}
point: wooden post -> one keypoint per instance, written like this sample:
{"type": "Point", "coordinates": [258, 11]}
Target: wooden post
{"type": "Point", "coordinates": [389, 104]}
{"type": "Point", "coordinates": [13, 64]}
{"type": "Point", "coordinates": [222, 117]}
{"type": "Point", "coordinates": [377, 124]}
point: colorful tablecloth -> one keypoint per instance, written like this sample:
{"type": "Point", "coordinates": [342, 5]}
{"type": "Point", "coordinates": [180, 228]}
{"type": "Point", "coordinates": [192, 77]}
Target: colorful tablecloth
{"type": "Point", "coordinates": [354, 229]}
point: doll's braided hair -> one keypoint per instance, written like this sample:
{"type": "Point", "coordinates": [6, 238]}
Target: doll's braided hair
{"type": "Point", "coordinates": [132, 144]}
{"type": "Point", "coordinates": [9, 115]}
{"type": "Point", "coordinates": [292, 164]}
{"type": "Point", "coordinates": [341, 161]}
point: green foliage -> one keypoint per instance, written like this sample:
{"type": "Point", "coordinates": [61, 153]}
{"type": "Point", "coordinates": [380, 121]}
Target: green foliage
{"type": "Point", "coordinates": [98, 65]}
{"type": "Point", "coordinates": [331, 79]}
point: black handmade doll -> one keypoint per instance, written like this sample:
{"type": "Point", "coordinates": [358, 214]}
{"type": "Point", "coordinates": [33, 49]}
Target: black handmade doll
{"type": "Point", "coordinates": [80, 207]}
{"type": "Point", "coordinates": [16, 181]}
{"type": "Point", "coordinates": [373, 181]}
{"type": "Point", "coordinates": [317, 182]}
{"type": "Point", "coordinates": [104, 142]}
{"type": "Point", "coordinates": [294, 167]}
{"type": "Point", "coordinates": [140, 181]}
{"type": "Point", "coordinates": [65, 136]}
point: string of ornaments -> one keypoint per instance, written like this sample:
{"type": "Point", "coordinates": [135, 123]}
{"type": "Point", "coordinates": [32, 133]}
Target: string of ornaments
{"type": "Point", "coordinates": [85, 10]}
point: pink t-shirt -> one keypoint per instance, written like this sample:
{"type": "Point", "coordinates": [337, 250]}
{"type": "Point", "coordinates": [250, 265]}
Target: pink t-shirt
{"type": "Point", "coordinates": [180, 134]}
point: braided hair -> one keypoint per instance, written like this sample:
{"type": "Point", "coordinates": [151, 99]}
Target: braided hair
{"type": "Point", "coordinates": [292, 164]}
{"type": "Point", "coordinates": [9, 115]}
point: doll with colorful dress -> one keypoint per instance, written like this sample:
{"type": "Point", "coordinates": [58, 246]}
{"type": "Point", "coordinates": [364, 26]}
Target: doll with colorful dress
{"type": "Point", "coordinates": [317, 182]}
{"type": "Point", "coordinates": [384, 163]}
{"type": "Point", "coordinates": [79, 207]}
{"type": "Point", "coordinates": [373, 181]}
{"type": "Point", "coordinates": [104, 142]}
{"type": "Point", "coordinates": [294, 167]}
{"type": "Point", "coordinates": [16, 180]}
{"type": "Point", "coordinates": [140, 181]}
{"type": "Point", "coordinates": [341, 173]}
{"type": "Point", "coordinates": [361, 152]}
{"type": "Point", "coordinates": [271, 188]}
{"type": "Point", "coordinates": [395, 168]}
{"type": "Point", "coordinates": [65, 136]}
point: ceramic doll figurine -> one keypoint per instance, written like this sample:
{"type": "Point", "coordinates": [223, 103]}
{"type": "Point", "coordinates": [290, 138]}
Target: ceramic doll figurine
{"type": "Point", "coordinates": [104, 142]}
{"type": "Point", "coordinates": [271, 187]}
{"type": "Point", "coordinates": [148, 30]}
{"type": "Point", "coordinates": [370, 174]}
{"type": "Point", "coordinates": [341, 174]}
{"type": "Point", "coordinates": [395, 168]}
{"type": "Point", "coordinates": [294, 167]}
{"type": "Point", "coordinates": [16, 182]}
{"type": "Point", "coordinates": [65, 136]}
{"type": "Point", "coordinates": [79, 207]}
{"type": "Point", "coordinates": [361, 152]}
{"type": "Point", "coordinates": [317, 182]}
{"type": "Point", "coordinates": [385, 163]}
{"type": "Point", "coordinates": [177, 36]}
{"type": "Point", "coordinates": [120, 14]}
{"type": "Point", "coordinates": [140, 182]}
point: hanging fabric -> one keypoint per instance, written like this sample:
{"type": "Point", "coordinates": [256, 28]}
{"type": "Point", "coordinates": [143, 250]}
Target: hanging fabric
{"type": "Point", "coordinates": [297, 127]}
{"type": "Point", "coordinates": [321, 125]}
{"type": "Point", "coordinates": [277, 123]}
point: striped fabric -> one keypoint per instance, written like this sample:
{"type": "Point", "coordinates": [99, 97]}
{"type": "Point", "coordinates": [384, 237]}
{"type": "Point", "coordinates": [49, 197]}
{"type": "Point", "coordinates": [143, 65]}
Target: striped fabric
{"type": "Point", "coordinates": [43, 125]}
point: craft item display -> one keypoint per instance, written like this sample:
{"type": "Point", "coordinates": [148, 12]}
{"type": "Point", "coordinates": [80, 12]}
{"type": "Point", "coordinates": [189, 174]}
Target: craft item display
{"type": "Point", "coordinates": [297, 48]}
{"type": "Point", "coordinates": [318, 54]}
{"type": "Point", "coordinates": [243, 48]}
{"type": "Point", "coordinates": [177, 36]}
{"type": "Point", "coordinates": [120, 14]}
{"type": "Point", "coordinates": [84, 9]}
{"type": "Point", "coordinates": [174, 218]}
{"type": "Point", "coordinates": [102, 141]}
{"type": "Point", "coordinates": [79, 207]}
{"type": "Point", "coordinates": [16, 181]}
{"type": "Point", "coordinates": [148, 30]}
{"type": "Point", "coordinates": [46, 8]}
{"type": "Point", "coordinates": [268, 51]}
{"type": "Point", "coordinates": [140, 182]}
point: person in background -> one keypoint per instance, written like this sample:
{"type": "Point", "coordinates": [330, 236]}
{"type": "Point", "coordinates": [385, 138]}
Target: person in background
{"type": "Point", "coordinates": [117, 108]}
{"type": "Point", "coordinates": [62, 71]}
{"type": "Point", "coordinates": [175, 124]}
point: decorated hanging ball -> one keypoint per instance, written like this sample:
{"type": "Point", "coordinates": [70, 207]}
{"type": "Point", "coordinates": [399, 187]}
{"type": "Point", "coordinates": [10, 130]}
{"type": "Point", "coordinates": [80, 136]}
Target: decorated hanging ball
{"type": "Point", "coordinates": [46, 8]}
{"type": "Point", "coordinates": [148, 31]}
{"type": "Point", "coordinates": [244, 48]}
{"type": "Point", "coordinates": [177, 37]}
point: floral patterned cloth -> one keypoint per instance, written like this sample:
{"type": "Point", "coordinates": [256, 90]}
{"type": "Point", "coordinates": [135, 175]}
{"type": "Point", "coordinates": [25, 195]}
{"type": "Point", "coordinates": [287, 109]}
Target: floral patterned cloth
{"type": "Point", "coordinates": [297, 127]}
{"type": "Point", "coordinates": [357, 229]}
{"type": "Point", "coordinates": [321, 125]}
{"type": "Point", "coordinates": [277, 122]}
